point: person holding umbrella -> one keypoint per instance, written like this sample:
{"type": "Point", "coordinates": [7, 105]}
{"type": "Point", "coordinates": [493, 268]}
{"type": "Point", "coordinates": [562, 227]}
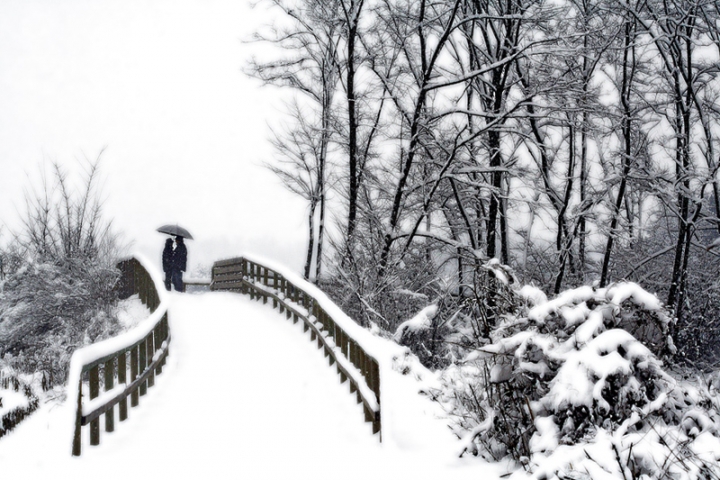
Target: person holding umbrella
{"type": "Point", "coordinates": [179, 264]}
{"type": "Point", "coordinates": [167, 262]}
{"type": "Point", "coordinates": [175, 261]}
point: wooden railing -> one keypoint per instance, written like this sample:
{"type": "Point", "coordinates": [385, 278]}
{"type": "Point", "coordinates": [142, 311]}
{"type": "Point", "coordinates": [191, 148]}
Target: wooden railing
{"type": "Point", "coordinates": [353, 363]}
{"type": "Point", "coordinates": [143, 351]}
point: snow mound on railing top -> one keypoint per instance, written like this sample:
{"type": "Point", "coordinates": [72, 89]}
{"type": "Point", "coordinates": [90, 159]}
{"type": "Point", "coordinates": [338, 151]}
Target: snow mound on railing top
{"type": "Point", "coordinates": [90, 353]}
{"type": "Point", "coordinates": [375, 346]}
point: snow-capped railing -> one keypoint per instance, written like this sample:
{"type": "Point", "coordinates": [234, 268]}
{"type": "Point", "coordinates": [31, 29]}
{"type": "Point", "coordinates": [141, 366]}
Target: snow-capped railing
{"type": "Point", "coordinates": [353, 363]}
{"type": "Point", "coordinates": [144, 349]}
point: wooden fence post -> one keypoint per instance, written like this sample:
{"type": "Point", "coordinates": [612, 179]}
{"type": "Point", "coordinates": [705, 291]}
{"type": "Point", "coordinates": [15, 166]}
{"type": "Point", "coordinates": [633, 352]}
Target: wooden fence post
{"type": "Point", "coordinates": [134, 370]}
{"type": "Point", "coordinates": [331, 327]}
{"type": "Point", "coordinates": [150, 345]}
{"type": "Point", "coordinates": [166, 336]}
{"type": "Point", "coordinates": [109, 384]}
{"type": "Point", "coordinates": [275, 302]}
{"type": "Point", "coordinates": [265, 282]}
{"type": "Point", "coordinates": [375, 369]}
{"type": "Point", "coordinates": [251, 290]}
{"type": "Point", "coordinates": [295, 301]}
{"type": "Point", "coordinates": [142, 365]}
{"type": "Point", "coordinates": [122, 378]}
{"type": "Point", "coordinates": [251, 268]}
{"type": "Point", "coordinates": [280, 293]}
{"type": "Point", "coordinates": [158, 341]}
{"type": "Point", "coordinates": [94, 375]}
{"type": "Point", "coordinates": [77, 438]}
{"type": "Point", "coordinates": [288, 287]}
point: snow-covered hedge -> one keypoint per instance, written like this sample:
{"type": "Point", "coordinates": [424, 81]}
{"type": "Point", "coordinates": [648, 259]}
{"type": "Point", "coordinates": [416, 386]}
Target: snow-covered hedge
{"type": "Point", "coordinates": [49, 308]}
{"type": "Point", "coordinates": [17, 402]}
{"type": "Point", "coordinates": [576, 384]}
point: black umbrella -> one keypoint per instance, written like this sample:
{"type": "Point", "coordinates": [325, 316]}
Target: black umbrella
{"type": "Point", "coordinates": [175, 230]}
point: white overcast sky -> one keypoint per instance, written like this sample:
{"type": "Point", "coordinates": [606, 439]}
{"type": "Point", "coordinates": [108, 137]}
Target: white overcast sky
{"type": "Point", "coordinates": [158, 84]}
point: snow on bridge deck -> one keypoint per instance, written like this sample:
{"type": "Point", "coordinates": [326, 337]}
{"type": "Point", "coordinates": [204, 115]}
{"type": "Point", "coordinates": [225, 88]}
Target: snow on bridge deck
{"type": "Point", "coordinates": [244, 395]}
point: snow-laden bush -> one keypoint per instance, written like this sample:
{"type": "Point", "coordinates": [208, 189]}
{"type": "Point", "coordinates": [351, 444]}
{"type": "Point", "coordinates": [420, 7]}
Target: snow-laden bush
{"type": "Point", "coordinates": [57, 290]}
{"type": "Point", "coordinates": [425, 335]}
{"type": "Point", "coordinates": [581, 370]}
{"type": "Point", "coordinates": [17, 402]}
{"type": "Point", "coordinates": [459, 320]}
{"type": "Point", "coordinates": [49, 309]}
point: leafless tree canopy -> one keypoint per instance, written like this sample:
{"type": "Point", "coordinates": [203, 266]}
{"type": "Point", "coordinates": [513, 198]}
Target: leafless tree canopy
{"type": "Point", "coordinates": [574, 141]}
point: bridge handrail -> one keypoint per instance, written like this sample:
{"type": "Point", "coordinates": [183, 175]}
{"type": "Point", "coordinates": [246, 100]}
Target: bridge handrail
{"type": "Point", "coordinates": [147, 347]}
{"type": "Point", "coordinates": [354, 363]}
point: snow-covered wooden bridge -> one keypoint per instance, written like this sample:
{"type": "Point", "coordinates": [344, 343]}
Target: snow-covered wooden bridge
{"type": "Point", "coordinates": [128, 364]}
{"type": "Point", "coordinates": [242, 394]}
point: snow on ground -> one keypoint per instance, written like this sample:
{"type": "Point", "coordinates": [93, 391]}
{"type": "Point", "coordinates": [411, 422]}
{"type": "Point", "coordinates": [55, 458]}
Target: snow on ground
{"type": "Point", "coordinates": [131, 311]}
{"type": "Point", "coordinates": [10, 400]}
{"type": "Point", "coordinates": [245, 394]}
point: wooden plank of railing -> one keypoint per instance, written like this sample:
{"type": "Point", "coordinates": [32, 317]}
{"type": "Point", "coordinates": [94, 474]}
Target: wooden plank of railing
{"type": "Point", "coordinates": [228, 262]}
{"type": "Point", "coordinates": [229, 277]}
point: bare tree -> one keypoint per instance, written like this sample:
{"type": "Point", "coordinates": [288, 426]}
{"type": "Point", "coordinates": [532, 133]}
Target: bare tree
{"type": "Point", "coordinates": [574, 140]}
{"type": "Point", "coordinates": [310, 67]}
{"type": "Point", "coordinates": [301, 156]}
{"type": "Point", "coordinates": [632, 139]}
{"type": "Point", "coordinates": [677, 31]}
{"type": "Point", "coordinates": [352, 11]}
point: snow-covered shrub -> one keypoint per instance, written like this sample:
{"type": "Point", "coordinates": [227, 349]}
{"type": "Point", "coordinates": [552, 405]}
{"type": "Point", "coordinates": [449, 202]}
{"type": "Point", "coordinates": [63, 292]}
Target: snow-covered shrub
{"type": "Point", "coordinates": [17, 402]}
{"type": "Point", "coordinates": [452, 324]}
{"type": "Point", "coordinates": [698, 335]}
{"type": "Point", "coordinates": [676, 436]}
{"type": "Point", "coordinates": [425, 335]}
{"type": "Point", "coordinates": [697, 332]}
{"type": "Point", "coordinates": [386, 300]}
{"type": "Point", "coordinates": [567, 372]}
{"type": "Point", "coordinates": [48, 309]}
{"type": "Point", "coordinates": [58, 292]}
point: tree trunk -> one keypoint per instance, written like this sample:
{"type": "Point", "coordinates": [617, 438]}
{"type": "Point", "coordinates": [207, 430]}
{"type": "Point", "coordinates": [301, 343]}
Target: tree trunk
{"type": "Point", "coordinates": [628, 67]}
{"type": "Point", "coordinates": [311, 241]}
{"type": "Point", "coordinates": [352, 18]}
{"type": "Point", "coordinates": [321, 235]}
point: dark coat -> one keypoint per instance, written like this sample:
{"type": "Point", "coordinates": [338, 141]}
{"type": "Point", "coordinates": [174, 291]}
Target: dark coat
{"type": "Point", "coordinates": [180, 256]}
{"type": "Point", "coordinates": [167, 256]}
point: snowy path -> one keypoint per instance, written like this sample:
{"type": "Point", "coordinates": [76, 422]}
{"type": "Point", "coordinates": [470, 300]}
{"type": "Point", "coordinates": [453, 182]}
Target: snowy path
{"type": "Point", "coordinates": [245, 395]}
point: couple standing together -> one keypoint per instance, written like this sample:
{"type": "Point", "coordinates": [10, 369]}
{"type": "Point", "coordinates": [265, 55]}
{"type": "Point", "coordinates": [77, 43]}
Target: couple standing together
{"type": "Point", "coordinates": [174, 263]}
